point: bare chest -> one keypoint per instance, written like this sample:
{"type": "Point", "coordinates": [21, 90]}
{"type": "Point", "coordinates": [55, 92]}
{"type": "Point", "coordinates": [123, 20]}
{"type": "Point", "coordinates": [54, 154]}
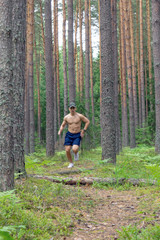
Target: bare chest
{"type": "Point", "coordinates": [73, 120]}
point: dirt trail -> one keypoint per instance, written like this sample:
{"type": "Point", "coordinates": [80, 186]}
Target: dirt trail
{"type": "Point", "coordinates": [112, 211]}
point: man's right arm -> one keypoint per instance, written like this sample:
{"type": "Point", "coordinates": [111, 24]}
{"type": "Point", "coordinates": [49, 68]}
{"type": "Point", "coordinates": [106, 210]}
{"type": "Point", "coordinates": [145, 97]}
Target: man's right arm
{"type": "Point", "coordinates": [62, 126]}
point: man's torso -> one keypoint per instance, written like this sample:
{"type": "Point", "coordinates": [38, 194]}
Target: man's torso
{"type": "Point", "coordinates": [74, 122]}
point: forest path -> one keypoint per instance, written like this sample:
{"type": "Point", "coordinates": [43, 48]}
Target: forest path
{"type": "Point", "coordinates": [110, 211]}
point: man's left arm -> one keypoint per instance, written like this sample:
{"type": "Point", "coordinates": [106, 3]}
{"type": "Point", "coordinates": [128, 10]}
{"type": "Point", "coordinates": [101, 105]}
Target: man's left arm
{"type": "Point", "coordinates": [87, 122]}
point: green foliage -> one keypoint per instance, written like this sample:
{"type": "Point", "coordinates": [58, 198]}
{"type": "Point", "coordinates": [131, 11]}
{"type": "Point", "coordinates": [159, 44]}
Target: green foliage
{"type": "Point", "coordinates": [133, 233]}
{"type": "Point", "coordinates": [144, 135]}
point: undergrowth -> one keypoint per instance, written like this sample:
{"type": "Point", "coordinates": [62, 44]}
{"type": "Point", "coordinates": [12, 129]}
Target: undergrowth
{"type": "Point", "coordinates": [38, 209]}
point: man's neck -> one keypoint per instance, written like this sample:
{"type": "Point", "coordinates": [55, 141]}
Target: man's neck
{"type": "Point", "coordinates": [72, 114]}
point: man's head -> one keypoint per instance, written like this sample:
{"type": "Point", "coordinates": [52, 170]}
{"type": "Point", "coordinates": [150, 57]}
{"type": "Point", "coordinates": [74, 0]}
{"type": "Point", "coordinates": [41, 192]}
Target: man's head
{"type": "Point", "coordinates": [72, 107]}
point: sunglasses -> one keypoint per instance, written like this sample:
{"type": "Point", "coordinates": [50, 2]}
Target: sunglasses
{"type": "Point", "coordinates": [72, 108]}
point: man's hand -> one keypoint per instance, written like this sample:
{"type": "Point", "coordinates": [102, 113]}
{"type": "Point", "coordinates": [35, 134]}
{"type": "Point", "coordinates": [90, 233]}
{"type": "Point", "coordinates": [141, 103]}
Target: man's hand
{"type": "Point", "coordinates": [82, 133]}
{"type": "Point", "coordinates": [59, 132]}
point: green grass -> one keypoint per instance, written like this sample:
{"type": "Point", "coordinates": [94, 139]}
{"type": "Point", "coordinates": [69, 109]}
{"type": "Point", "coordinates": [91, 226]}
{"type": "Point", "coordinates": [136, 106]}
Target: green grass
{"type": "Point", "coordinates": [38, 209]}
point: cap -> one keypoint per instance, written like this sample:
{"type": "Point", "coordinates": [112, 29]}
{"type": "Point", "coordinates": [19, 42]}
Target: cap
{"type": "Point", "coordinates": [72, 104]}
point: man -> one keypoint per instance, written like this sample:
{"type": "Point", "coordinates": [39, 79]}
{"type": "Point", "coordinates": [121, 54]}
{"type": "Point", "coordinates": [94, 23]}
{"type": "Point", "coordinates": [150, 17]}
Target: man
{"type": "Point", "coordinates": [75, 133]}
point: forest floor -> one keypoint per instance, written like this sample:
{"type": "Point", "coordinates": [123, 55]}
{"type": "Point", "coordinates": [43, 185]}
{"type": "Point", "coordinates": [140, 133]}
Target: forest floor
{"type": "Point", "coordinates": [106, 211]}
{"type": "Point", "coordinates": [41, 209]}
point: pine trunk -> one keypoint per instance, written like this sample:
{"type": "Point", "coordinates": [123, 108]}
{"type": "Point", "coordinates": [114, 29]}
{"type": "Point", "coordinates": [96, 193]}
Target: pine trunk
{"type": "Point", "coordinates": [91, 65]}
{"type": "Point", "coordinates": [81, 50]}
{"type": "Point", "coordinates": [108, 138]}
{"type": "Point", "coordinates": [115, 64]}
{"type": "Point", "coordinates": [6, 99]}
{"type": "Point", "coordinates": [149, 54]}
{"type": "Point", "coordinates": [30, 73]}
{"type": "Point", "coordinates": [65, 62]}
{"type": "Point", "coordinates": [156, 58]}
{"type": "Point", "coordinates": [49, 81]}
{"type": "Point", "coordinates": [18, 63]}
{"type": "Point", "coordinates": [138, 64]}
{"type": "Point", "coordinates": [125, 139]}
{"type": "Point", "coordinates": [129, 74]}
{"type": "Point", "coordinates": [87, 65]}
{"type": "Point", "coordinates": [141, 62]}
{"type": "Point", "coordinates": [133, 66]}
{"type": "Point", "coordinates": [72, 90]}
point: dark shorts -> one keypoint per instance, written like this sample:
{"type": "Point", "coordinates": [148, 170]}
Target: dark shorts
{"type": "Point", "coordinates": [72, 139]}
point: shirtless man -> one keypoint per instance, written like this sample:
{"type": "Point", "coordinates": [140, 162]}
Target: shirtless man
{"type": "Point", "coordinates": [75, 133]}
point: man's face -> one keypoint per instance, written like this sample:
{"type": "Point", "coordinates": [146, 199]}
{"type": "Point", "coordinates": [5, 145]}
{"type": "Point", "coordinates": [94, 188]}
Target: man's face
{"type": "Point", "coordinates": [72, 109]}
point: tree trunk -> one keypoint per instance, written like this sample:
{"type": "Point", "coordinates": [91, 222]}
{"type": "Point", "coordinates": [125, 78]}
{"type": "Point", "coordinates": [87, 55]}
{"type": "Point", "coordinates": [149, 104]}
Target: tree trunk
{"type": "Point", "coordinates": [26, 102]}
{"type": "Point", "coordinates": [57, 53]}
{"type": "Point", "coordinates": [55, 74]}
{"type": "Point", "coordinates": [156, 58]}
{"type": "Point", "coordinates": [149, 54]}
{"type": "Point", "coordinates": [6, 99]}
{"type": "Point", "coordinates": [49, 81]}
{"type": "Point", "coordinates": [108, 138]}
{"type": "Point", "coordinates": [115, 64]}
{"type": "Point", "coordinates": [30, 73]}
{"type": "Point", "coordinates": [141, 62]}
{"type": "Point", "coordinates": [91, 65]}
{"type": "Point", "coordinates": [87, 65]}
{"type": "Point", "coordinates": [100, 72]}
{"type": "Point", "coordinates": [42, 28]}
{"type": "Point", "coordinates": [125, 139]}
{"type": "Point", "coordinates": [72, 90]}
{"type": "Point", "coordinates": [133, 66]}
{"type": "Point", "coordinates": [65, 62]}
{"type": "Point", "coordinates": [129, 74]}
{"type": "Point", "coordinates": [138, 64]}
{"type": "Point", "coordinates": [81, 51]}
{"type": "Point", "coordinates": [18, 63]}
{"type": "Point", "coordinates": [75, 51]}
{"type": "Point", "coordinates": [38, 90]}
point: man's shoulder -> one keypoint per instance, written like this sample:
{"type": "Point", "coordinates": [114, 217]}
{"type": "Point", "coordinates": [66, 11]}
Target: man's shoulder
{"type": "Point", "coordinates": [66, 117]}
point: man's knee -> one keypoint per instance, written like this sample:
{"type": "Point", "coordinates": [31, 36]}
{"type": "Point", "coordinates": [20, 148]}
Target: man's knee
{"type": "Point", "coordinates": [75, 148]}
{"type": "Point", "coordinates": [68, 149]}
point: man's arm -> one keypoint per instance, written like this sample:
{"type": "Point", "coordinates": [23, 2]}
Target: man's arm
{"type": "Point", "coordinates": [62, 126]}
{"type": "Point", "coordinates": [87, 122]}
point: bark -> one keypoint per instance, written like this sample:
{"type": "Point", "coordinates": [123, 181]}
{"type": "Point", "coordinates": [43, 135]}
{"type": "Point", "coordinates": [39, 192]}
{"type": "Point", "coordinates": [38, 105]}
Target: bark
{"type": "Point", "coordinates": [55, 74]}
{"type": "Point", "coordinates": [156, 58]}
{"type": "Point", "coordinates": [18, 64]}
{"type": "Point", "coordinates": [133, 66]}
{"type": "Point", "coordinates": [115, 65]}
{"type": "Point", "coordinates": [81, 51]}
{"type": "Point", "coordinates": [138, 64]}
{"type": "Point", "coordinates": [129, 74]}
{"type": "Point", "coordinates": [141, 62]}
{"type": "Point", "coordinates": [72, 91]}
{"type": "Point", "coordinates": [108, 139]}
{"type": "Point", "coordinates": [87, 65]}
{"type": "Point", "coordinates": [65, 61]}
{"type": "Point", "coordinates": [49, 81]}
{"type": "Point", "coordinates": [42, 27]}
{"type": "Point", "coordinates": [90, 180]}
{"type": "Point", "coordinates": [100, 71]}
{"type": "Point", "coordinates": [26, 103]}
{"type": "Point", "coordinates": [76, 53]}
{"type": "Point", "coordinates": [30, 74]}
{"type": "Point", "coordinates": [38, 90]}
{"type": "Point", "coordinates": [149, 54]}
{"type": "Point", "coordinates": [6, 99]}
{"type": "Point", "coordinates": [91, 65]}
{"type": "Point", "coordinates": [125, 139]}
{"type": "Point", "coordinates": [57, 53]}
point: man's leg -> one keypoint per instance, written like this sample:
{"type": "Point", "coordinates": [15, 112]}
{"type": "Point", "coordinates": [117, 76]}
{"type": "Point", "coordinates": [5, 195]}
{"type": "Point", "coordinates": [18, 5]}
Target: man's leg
{"type": "Point", "coordinates": [68, 153]}
{"type": "Point", "coordinates": [75, 149]}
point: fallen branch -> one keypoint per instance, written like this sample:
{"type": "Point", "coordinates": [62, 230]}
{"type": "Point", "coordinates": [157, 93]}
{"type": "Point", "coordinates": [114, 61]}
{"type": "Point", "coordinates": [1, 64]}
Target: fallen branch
{"type": "Point", "coordinates": [91, 180]}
